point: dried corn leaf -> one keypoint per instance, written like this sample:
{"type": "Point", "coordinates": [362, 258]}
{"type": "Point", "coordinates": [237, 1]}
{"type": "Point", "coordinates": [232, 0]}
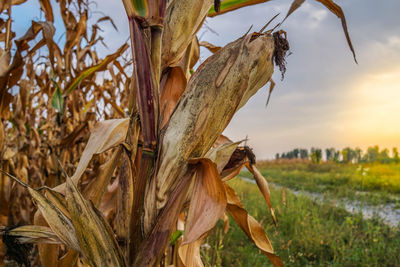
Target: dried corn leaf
{"type": "Point", "coordinates": [213, 49]}
{"type": "Point", "coordinates": [189, 254]}
{"type": "Point", "coordinates": [104, 135]}
{"type": "Point", "coordinates": [172, 90]}
{"type": "Point", "coordinates": [295, 5]}
{"type": "Point", "coordinates": [34, 233]}
{"type": "Point", "coordinates": [1, 140]}
{"type": "Point", "coordinates": [48, 253]}
{"type": "Point", "coordinates": [263, 186]}
{"type": "Point", "coordinates": [5, 4]}
{"type": "Point", "coordinates": [337, 10]}
{"type": "Point", "coordinates": [69, 259]}
{"type": "Point", "coordinates": [226, 223]}
{"type": "Point", "coordinates": [96, 239]}
{"type": "Point", "coordinates": [48, 10]}
{"type": "Point", "coordinates": [208, 201]}
{"type": "Point", "coordinates": [250, 226]}
{"type": "Point", "coordinates": [96, 189]}
{"type": "Point", "coordinates": [222, 154]}
{"type": "Point", "coordinates": [58, 221]}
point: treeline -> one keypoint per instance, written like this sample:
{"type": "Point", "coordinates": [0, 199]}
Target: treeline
{"type": "Point", "coordinates": [346, 155]}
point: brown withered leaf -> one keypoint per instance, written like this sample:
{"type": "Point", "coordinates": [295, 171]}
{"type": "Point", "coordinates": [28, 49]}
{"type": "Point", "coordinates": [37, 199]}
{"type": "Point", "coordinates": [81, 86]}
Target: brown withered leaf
{"type": "Point", "coordinates": [1, 138]}
{"type": "Point", "coordinates": [208, 201]}
{"type": "Point", "coordinates": [222, 139]}
{"type": "Point", "coordinates": [4, 4]}
{"type": "Point", "coordinates": [34, 233]}
{"type": "Point", "coordinates": [5, 58]}
{"type": "Point", "coordinates": [95, 237]}
{"type": "Point", "coordinates": [69, 259]}
{"type": "Point", "coordinates": [48, 10]}
{"type": "Point", "coordinates": [104, 135]}
{"type": "Point", "coordinates": [222, 154]}
{"type": "Point", "coordinates": [58, 221]}
{"type": "Point", "coordinates": [250, 226]}
{"type": "Point", "coordinates": [213, 49]}
{"type": "Point", "coordinates": [189, 254]}
{"type": "Point", "coordinates": [271, 88]}
{"type": "Point", "coordinates": [48, 253]}
{"type": "Point", "coordinates": [263, 186]}
{"type": "Point", "coordinates": [173, 88]}
{"type": "Point", "coordinates": [226, 223]}
{"type": "Point", "coordinates": [97, 187]}
{"type": "Point", "coordinates": [337, 10]}
{"type": "Point", "coordinates": [295, 5]}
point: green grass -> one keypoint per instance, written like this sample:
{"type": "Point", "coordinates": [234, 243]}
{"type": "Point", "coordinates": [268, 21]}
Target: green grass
{"type": "Point", "coordinates": [308, 234]}
{"type": "Point", "coordinates": [380, 183]}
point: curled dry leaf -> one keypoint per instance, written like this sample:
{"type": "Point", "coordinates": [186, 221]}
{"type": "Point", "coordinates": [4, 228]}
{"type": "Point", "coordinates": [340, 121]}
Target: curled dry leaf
{"type": "Point", "coordinates": [48, 10]}
{"type": "Point", "coordinates": [337, 10]}
{"type": "Point", "coordinates": [6, 4]}
{"type": "Point", "coordinates": [263, 186]}
{"type": "Point", "coordinates": [173, 88]}
{"type": "Point", "coordinates": [226, 223]}
{"type": "Point", "coordinates": [97, 187]}
{"type": "Point", "coordinates": [250, 226]}
{"type": "Point", "coordinates": [213, 49]}
{"type": "Point", "coordinates": [95, 237]}
{"type": "Point", "coordinates": [33, 233]}
{"type": "Point", "coordinates": [222, 154]}
{"type": "Point", "coordinates": [208, 201]}
{"type": "Point", "coordinates": [104, 135]}
{"type": "Point", "coordinates": [58, 221]}
{"type": "Point", "coordinates": [189, 254]}
{"type": "Point", "coordinates": [1, 137]}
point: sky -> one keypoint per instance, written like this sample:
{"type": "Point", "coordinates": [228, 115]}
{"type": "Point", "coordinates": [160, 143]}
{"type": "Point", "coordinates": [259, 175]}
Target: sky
{"type": "Point", "coordinates": [325, 99]}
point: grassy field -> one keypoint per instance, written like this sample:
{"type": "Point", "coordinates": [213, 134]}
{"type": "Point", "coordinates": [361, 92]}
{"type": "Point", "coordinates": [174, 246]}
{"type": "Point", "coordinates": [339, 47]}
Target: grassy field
{"type": "Point", "coordinates": [308, 234]}
{"type": "Point", "coordinates": [370, 183]}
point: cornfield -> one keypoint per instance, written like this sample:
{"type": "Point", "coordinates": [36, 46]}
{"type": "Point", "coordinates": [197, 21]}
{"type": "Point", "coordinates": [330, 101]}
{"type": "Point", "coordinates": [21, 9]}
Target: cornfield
{"type": "Point", "coordinates": [121, 161]}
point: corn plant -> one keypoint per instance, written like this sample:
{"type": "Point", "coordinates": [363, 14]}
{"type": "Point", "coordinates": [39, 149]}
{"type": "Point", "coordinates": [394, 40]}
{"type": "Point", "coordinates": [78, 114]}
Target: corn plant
{"type": "Point", "coordinates": [132, 170]}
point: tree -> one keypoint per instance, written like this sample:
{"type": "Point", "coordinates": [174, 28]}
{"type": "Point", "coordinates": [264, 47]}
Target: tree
{"type": "Point", "coordinates": [329, 153]}
{"type": "Point", "coordinates": [372, 154]}
{"type": "Point", "coordinates": [303, 153]}
{"type": "Point", "coordinates": [316, 155]}
{"type": "Point", "coordinates": [384, 156]}
{"type": "Point", "coordinates": [395, 155]}
{"type": "Point", "coordinates": [358, 154]}
{"type": "Point", "coordinates": [296, 153]}
{"type": "Point", "coordinates": [155, 158]}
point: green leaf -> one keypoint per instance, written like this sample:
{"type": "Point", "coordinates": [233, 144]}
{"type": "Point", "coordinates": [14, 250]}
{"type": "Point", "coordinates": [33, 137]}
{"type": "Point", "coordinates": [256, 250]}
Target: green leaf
{"type": "Point", "coordinates": [175, 236]}
{"type": "Point", "coordinates": [230, 5]}
{"type": "Point", "coordinates": [57, 100]}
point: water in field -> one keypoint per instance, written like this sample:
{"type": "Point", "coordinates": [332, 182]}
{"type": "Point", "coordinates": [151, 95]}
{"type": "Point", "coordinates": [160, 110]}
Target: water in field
{"type": "Point", "coordinates": [388, 213]}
